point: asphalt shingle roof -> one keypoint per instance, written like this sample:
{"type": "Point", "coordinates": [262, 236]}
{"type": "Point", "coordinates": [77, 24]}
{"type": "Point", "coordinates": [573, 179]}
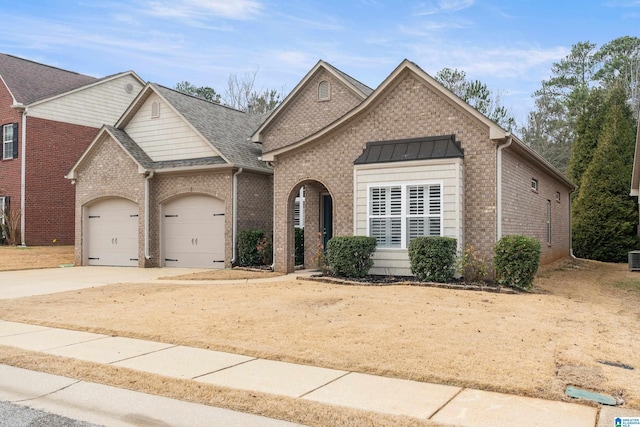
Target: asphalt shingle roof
{"type": "Point", "coordinates": [228, 130]}
{"type": "Point", "coordinates": [366, 90]}
{"type": "Point", "coordinates": [30, 81]}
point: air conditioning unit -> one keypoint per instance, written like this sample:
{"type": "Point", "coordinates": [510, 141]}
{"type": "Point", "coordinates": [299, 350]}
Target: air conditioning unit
{"type": "Point", "coordinates": [634, 260]}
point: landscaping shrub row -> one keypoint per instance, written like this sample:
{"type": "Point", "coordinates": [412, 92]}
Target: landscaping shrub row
{"type": "Point", "coordinates": [432, 258]}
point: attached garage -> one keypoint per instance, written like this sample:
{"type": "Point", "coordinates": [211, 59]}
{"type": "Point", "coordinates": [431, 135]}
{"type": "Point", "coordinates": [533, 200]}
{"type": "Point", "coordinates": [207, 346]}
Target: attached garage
{"type": "Point", "coordinates": [193, 232]}
{"type": "Point", "coordinates": [111, 233]}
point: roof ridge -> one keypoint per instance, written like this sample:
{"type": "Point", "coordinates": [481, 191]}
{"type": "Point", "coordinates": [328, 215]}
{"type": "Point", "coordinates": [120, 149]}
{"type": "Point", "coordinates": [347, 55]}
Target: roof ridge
{"type": "Point", "coordinates": [219, 104]}
{"type": "Point", "coordinates": [48, 66]}
{"type": "Point", "coordinates": [349, 77]}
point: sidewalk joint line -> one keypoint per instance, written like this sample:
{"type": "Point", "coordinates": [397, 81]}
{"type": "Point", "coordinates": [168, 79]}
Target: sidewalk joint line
{"type": "Point", "coordinates": [225, 368]}
{"type": "Point", "coordinates": [50, 393]}
{"type": "Point", "coordinates": [144, 354]}
{"type": "Point", "coordinates": [324, 385]}
{"type": "Point", "coordinates": [447, 402]}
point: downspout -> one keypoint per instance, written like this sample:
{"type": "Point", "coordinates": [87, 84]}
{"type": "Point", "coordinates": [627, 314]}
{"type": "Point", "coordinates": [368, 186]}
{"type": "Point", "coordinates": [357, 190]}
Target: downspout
{"type": "Point", "coordinates": [23, 173]}
{"type": "Point", "coordinates": [499, 186]}
{"type": "Point", "coordinates": [235, 214]}
{"type": "Point", "coordinates": [147, 255]}
{"type": "Point", "coordinates": [273, 224]}
{"type": "Point", "coordinates": [573, 193]}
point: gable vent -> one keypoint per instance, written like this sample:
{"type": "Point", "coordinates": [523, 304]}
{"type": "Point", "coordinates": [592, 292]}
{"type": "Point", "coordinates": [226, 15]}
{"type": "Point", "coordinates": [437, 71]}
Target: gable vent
{"type": "Point", "coordinates": [323, 91]}
{"type": "Point", "coordinates": [155, 109]}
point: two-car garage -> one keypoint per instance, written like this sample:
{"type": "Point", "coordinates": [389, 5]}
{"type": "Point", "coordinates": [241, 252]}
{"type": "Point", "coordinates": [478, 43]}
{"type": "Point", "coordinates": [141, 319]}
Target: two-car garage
{"type": "Point", "coordinates": [192, 232]}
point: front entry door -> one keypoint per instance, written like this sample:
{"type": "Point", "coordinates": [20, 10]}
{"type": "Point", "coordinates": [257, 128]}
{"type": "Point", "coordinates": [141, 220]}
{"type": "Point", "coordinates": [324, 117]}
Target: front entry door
{"type": "Point", "coordinates": [327, 219]}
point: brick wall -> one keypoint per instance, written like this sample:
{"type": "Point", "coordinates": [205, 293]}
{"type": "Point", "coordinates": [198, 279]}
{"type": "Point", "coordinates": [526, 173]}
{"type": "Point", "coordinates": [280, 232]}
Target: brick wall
{"type": "Point", "coordinates": [53, 148]}
{"type": "Point", "coordinates": [10, 169]}
{"type": "Point", "coordinates": [409, 108]}
{"type": "Point", "coordinates": [255, 201]}
{"type": "Point", "coordinates": [110, 173]}
{"type": "Point", "coordinates": [525, 210]}
{"type": "Point", "coordinates": [297, 120]}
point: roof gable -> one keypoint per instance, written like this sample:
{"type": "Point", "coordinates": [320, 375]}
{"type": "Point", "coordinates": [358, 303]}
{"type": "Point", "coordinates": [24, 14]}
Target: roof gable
{"type": "Point", "coordinates": [228, 131]}
{"type": "Point", "coordinates": [361, 90]}
{"type": "Point", "coordinates": [29, 81]}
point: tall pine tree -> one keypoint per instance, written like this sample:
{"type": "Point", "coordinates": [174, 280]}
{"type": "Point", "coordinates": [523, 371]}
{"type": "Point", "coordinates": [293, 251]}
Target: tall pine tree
{"type": "Point", "coordinates": [604, 215]}
{"type": "Point", "coordinates": [588, 129]}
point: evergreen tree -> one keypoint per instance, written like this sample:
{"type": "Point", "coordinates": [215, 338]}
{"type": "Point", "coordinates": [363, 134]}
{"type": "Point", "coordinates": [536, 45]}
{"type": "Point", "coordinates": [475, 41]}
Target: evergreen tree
{"type": "Point", "coordinates": [588, 129]}
{"type": "Point", "coordinates": [605, 217]}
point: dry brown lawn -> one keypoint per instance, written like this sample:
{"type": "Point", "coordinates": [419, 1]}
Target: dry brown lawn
{"type": "Point", "coordinates": [17, 258]}
{"type": "Point", "coordinates": [530, 344]}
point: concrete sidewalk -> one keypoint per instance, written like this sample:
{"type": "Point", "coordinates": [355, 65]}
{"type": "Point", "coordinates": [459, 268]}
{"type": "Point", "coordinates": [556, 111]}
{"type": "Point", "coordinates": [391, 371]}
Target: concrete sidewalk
{"type": "Point", "coordinates": [440, 403]}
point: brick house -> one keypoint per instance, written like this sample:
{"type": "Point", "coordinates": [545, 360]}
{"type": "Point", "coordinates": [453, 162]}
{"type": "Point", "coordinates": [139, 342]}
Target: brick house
{"type": "Point", "coordinates": [406, 159]}
{"type": "Point", "coordinates": [170, 184]}
{"type": "Point", "coordinates": [48, 117]}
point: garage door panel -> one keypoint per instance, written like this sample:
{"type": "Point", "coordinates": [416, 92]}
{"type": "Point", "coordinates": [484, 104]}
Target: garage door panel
{"type": "Point", "coordinates": [193, 232]}
{"type": "Point", "coordinates": [111, 236]}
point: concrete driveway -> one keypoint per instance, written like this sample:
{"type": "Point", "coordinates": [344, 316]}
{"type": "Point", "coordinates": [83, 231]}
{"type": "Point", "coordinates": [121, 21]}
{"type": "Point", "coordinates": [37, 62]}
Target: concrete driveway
{"type": "Point", "coordinates": [24, 283]}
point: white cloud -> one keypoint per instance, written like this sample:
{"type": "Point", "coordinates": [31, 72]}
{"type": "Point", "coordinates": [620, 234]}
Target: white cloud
{"type": "Point", "coordinates": [195, 9]}
{"type": "Point", "coordinates": [443, 6]}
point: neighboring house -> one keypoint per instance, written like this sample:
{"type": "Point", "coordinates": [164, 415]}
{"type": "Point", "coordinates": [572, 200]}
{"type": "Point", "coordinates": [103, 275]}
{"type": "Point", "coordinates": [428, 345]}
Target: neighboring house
{"type": "Point", "coordinates": [48, 117]}
{"type": "Point", "coordinates": [170, 184]}
{"type": "Point", "coordinates": [407, 159]}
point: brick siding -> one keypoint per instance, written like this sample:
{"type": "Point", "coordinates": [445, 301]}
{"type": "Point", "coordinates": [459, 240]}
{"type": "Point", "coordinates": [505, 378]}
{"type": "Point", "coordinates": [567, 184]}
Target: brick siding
{"type": "Point", "coordinates": [296, 121]}
{"type": "Point", "coordinates": [525, 210]}
{"type": "Point", "coordinates": [409, 108]}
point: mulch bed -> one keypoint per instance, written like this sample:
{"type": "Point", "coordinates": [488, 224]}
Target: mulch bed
{"type": "Point", "coordinates": [408, 281]}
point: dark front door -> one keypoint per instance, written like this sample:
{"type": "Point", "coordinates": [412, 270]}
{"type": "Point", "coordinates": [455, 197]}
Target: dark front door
{"type": "Point", "coordinates": [327, 219]}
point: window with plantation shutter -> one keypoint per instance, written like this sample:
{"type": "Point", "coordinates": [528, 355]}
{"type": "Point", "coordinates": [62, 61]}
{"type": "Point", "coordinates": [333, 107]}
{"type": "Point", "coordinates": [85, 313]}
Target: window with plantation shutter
{"type": "Point", "coordinates": [398, 214]}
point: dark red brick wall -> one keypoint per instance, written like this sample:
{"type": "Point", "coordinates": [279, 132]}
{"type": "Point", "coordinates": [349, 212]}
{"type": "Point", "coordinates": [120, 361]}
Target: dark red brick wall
{"type": "Point", "coordinates": [52, 149]}
{"type": "Point", "coordinates": [9, 169]}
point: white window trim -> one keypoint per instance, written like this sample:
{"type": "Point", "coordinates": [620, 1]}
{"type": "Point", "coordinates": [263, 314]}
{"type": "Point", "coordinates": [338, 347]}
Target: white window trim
{"type": "Point", "coordinates": [299, 204]}
{"type": "Point", "coordinates": [328, 97]}
{"type": "Point", "coordinates": [404, 245]}
{"type": "Point", "coordinates": [6, 143]}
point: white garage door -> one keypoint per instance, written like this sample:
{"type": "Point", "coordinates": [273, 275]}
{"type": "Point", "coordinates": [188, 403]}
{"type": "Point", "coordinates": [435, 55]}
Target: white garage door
{"type": "Point", "coordinates": [193, 232]}
{"type": "Point", "coordinates": [111, 233]}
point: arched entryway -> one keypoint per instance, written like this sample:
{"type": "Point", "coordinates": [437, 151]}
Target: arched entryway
{"type": "Point", "coordinates": [309, 206]}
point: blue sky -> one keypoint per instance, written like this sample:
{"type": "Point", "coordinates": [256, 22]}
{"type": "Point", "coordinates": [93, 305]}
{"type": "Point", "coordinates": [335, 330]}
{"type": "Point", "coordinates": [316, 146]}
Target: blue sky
{"type": "Point", "coordinates": [508, 44]}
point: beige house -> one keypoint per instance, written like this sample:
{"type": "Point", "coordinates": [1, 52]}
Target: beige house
{"type": "Point", "coordinates": [406, 159]}
{"type": "Point", "coordinates": [170, 184]}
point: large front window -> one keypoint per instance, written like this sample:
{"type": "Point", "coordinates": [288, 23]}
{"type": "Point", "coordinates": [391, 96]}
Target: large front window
{"type": "Point", "coordinates": [399, 213]}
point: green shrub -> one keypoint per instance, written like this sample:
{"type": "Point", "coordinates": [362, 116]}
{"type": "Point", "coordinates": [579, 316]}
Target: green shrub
{"type": "Point", "coordinates": [433, 258]}
{"type": "Point", "coordinates": [516, 261]}
{"type": "Point", "coordinates": [350, 256]}
{"type": "Point", "coordinates": [254, 247]}
{"type": "Point", "coordinates": [299, 251]}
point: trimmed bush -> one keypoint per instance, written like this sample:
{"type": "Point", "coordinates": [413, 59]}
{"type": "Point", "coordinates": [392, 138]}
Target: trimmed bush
{"type": "Point", "coordinates": [350, 256]}
{"type": "Point", "coordinates": [516, 260]}
{"type": "Point", "coordinates": [299, 254]}
{"type": "Point", "coordinates": [248, 243]}
{"type": "Point", "coordinates": [433, 258]}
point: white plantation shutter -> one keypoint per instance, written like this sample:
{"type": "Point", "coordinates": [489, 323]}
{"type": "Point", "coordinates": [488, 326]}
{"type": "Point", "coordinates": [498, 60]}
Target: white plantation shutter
{"type": "Point", "coordinates": [394, 223]}
{"type": "Point", "coordinates": [385, 216]}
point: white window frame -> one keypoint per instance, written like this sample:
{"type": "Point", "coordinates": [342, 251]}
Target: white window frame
{"type": "Point", "coordinates": [7, 144]}
{"type": "Point", "coordinates": [548, 222]}
{"type": "Point", "coordinates": [323, 96]}
{"type": "Point", "coordinates": [534, 185]}
{"type": "Point", "coordinates": [403, 217]}
{"type": "Point", "coordinates": [3, 206]}
{"type": "Point", "coordinates": [298, 210]}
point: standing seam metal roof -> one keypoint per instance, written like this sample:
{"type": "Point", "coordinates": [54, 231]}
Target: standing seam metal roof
{"type": "Point", "coordinates": [434, 147]}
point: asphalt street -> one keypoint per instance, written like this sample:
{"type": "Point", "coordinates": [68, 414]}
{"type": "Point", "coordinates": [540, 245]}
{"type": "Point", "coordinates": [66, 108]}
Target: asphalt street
{"type": "Point", "coordinates": [14, 415]}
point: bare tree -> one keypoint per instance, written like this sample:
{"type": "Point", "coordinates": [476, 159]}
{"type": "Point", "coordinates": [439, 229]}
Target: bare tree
{"type": "Point", "coordinates": [242, 95]}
